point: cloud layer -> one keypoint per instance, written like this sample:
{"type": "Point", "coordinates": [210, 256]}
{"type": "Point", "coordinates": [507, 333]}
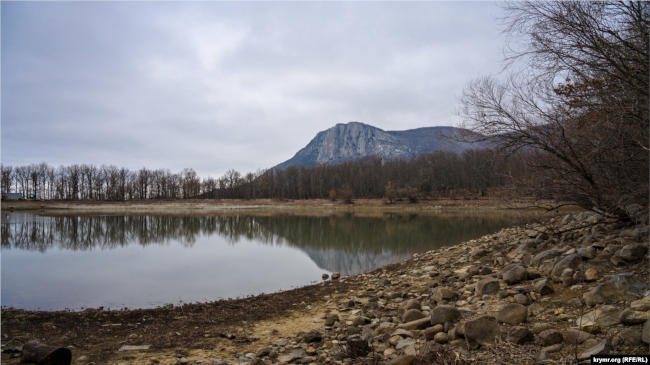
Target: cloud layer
{"type": "Point", "coordinates": [218, 85]}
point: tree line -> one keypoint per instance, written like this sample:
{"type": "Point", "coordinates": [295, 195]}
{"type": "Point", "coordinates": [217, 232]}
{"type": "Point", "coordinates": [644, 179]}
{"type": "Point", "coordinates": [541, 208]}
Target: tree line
{"type": "Point", "coordinates": [437, 174]}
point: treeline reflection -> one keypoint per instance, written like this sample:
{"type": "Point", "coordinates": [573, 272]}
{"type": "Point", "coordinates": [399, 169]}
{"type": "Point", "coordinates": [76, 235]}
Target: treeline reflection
{"type": "Point", "coordinates": [393, 233]}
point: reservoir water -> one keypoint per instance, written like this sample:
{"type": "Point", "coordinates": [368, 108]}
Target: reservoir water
{"type": "Point", "coordinates": [137, 261]}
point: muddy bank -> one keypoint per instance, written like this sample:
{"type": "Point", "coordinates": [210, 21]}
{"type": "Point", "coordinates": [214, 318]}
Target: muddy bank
{"type": "Point", "coordinates": [553, 292]}
{"type": "Point", "coordinates": [364, 207]}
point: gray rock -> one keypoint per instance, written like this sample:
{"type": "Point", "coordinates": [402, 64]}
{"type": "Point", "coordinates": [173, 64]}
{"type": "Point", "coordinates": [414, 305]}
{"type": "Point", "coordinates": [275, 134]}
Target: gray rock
{"type": "Point", "coordinates": [487, 286]}
{"type": "Point", "coordinates": [403, 360]}
{"type": "Point", "coordinates": [409, 304]}
{"type": "Point", "coordinates": [606, 315]}
{"type": "Point", "coordinates": [330, 319]}
{"type": "Point", "coordinates": [545, 255]}
{"type": "Point", "coordinates": [520, 335]}
{"type": "Point", "coordinates": [441, 337]}
{"type": "Point", "coordinates": [412, 315]}
{"type": "Point", "coordinates": [444, 294]}
{"type": "Point", "coordinates": [430, 332]}
{"type": "Point", "coordinates": [292, 356]}
{"type": "Point", "coordinates": [418, 324]}
{"type": "Point", "coordinates": [512, 314]}
{"type": "Point", "coordinates": [631, 336]}
{"type": "Point", "coordinates": [550, 337]}
{"type": "Point", "coordinates": [522, 299]}
{"type": "Point", "coordinates": [567, 262]}
{"type": "Point", "coordinates": [587, 252]}
{"type": "Point", "coordinates": [645, 332]}
{"type": "Point", "coordinates": [601, 348]}
{"type": "Point", "coordinates": [543, 287]}
{"type": "Point", "coordinates": [642, 304]}
{"type": "Point", "coordinates": [603, 293]}
{"type": "Point", "coordinates": [574, 336]}
{"type": "Point", "coordinates": [444, 314]}
{"type": "Point", "coordinates": [482, 330]}
{"type": "Point", "coordinates": [631, 317]}
{"type": "Point", "coordinates": [404, 343]}
{"type": "Point", "coordinates": [633, 252]}
{"type": "Point", "coordinates": [515, 274]}
{"type": "Point", "coordinates": [628, 283]}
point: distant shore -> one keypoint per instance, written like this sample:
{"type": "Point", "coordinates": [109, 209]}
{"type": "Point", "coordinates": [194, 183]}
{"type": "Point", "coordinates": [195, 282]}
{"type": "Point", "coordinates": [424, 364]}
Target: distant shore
{"type": "Point", "coordinates": [319, 207]}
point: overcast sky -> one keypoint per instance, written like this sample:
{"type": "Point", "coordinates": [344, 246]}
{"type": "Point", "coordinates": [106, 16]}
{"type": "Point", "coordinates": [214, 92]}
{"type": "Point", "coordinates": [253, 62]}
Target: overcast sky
{"type": "Point", "coordinates": [218, 85]}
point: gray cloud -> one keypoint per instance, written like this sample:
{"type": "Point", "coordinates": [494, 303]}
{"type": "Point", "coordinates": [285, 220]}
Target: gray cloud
{"type": "Point", "coordinates": [214, 85]}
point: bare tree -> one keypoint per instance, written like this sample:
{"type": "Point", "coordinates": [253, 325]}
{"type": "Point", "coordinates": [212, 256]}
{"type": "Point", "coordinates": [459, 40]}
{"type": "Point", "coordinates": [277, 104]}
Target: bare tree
{"type": "Point", "coordinates": [581, 105]}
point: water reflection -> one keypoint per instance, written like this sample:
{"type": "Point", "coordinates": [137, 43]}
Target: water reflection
{"type": "Point", "coordinates": [347, 243]}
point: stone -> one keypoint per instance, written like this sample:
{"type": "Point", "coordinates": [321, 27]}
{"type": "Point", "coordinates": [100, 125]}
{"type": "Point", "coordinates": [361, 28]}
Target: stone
{"type": "Point", "coordinates": [550, 337]}
{"type": "Point", "coordinates": [545, 255]}
{"type": "Point", "coordinates": [522, 299]}
{"type": "Point", "coordinates": [567, 262]}
{"type": "Point", "coordinates": [606, 315]}
{"type": "Point", "coordinates": [441, 337]}
{"type": "Point", "coordinates": [292, 356]}
{"type": "Point", "coordinates": [313, 336]}
{"type": "Point", "coordinates": [602, 293]}
{"type": "Point", "coordinates": [633, 252]}
{"type": "Point", "coordinates": [330, 319]}
{"type": "Point", "coordinates": [543, 287]}
{"type": "Point", "coordinates": [628, 283]}
{"type": "Point", "coordinates": [539, 327]}
{"type": "Point", "coordinates": [574, 336]}
{"type": "Point", "coordinates": [514, 274]}
{"type": "Point", "coordinates": [430, 332]}
{"type": "Point", "coordinates": [418, 324]}
{"type": "Point", "coordinates": [409, 304]}
{"type": "Point", "coordinates": [444, 294]}
{"type": "Point", "coordinates": [444, 314]}
{"type": "Point", "coordinates": [402, 332]}
{"type": "Point", "coordinates": [513, 313]}
{"type": "Point", "coordinates": [482, 330]}
{"type": "Point", "coordinates": [631, 336]}
{"type": "Point", "coordinates": [600, 348]}
{"type": "Point", "coordinates": [519, 335]}
{"type": "Point", "coordinates": [325, 276]}
{"type": "Point", "coordinates": [591, 274]}
{"type": "Point", "coordinates": [552, 348]}
{"type": "Point", "coordinates": [632, 317]}
{"type": "Point", "coordinates": [587, 252]}
{"type": "Point", "coordinates": [336, 275]}
{"type": "Point", "coordinates": [134, 348]}
{"type": "Point", "coordinates": [403, 360]}
{"type": "Point", "coordinates": [645, 332]}
{"type": "Point", "coordinates": [387, 327]}
{"type": "Point", "coordinates": [403, 343]}
{"type": "Point", "coordinates": [487, 286]}
{"type": "Point", "coordinates": [412, 315]}
{"type": "Point", "coordinates": [642, 304]}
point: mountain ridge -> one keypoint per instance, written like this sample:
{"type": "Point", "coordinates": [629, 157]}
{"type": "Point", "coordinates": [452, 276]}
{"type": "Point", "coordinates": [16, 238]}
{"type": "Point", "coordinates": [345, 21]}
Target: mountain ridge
{"type": "Point", "coordinates": [356, 140]}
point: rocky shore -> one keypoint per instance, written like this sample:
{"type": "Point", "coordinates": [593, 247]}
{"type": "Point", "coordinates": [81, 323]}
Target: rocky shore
{"type": "Point", "coordinates": [556, 292]}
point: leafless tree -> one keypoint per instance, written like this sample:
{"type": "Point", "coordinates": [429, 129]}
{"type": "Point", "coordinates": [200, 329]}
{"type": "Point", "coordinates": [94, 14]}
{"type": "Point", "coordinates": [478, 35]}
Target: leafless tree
{"type": "Point", "coordinates": [580, 105]}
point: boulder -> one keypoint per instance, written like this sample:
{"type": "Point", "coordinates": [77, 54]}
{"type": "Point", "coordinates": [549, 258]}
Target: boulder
{"type": "Point", "coordinates": [543, 287]}
{"type": "Point", "coordinates": [550, 337]}
{"type": "Point", "coordinates": [603, 293]}
{"type": "Point", "coordinates": [628, 283]}
{"type": "Point", "coordinates": [403, 360]}
{"type": "Point", "coordinates": [487, 286]}
{"type": "Point", "coordinates": [515, 274]}
{"type": "Point", "coordinates": [520, 335]}
{"type": "Point", "coordinates": [313, 336]}
{"type": "Point", "coordinates": [600, 348]}
{"type": "Point", "coordinates": [430, 332]}
{"type": "Point", "coordinates": [412, 315]}
{"type": "Point", "coordinates": [631, 317]}
{"type": "Point", "coordinates": [642, 304]}
{"type": "Point", "coordinates": [606, 315]}
{"type": "Point", "coordinates": [574, 336]}
{"type": "Point", "coordinates": [441, 337]}
{"type": "Point", "coordinates": [409, 304]}
{"type": "Point", "coordinates": [418, 324]}
{"type": "Point", "coordinates": [591, 274]}
{"type": "Point", "coordinates": [545, 255]}
{"type": "Point", "coordinates": [645, 332]}
{"type": "Point", "coordinates": [444, 314]}
{"type": "Point", "coordinates": [513, 313]}
{"type": "Point", "coordinates": [633, 252]}
{"type": "Point", "coordinates": [482, 331]}
{"type": "Point", "coordinates": [444, 294]}
{"type": "Point", "coordinates": [567, 262]}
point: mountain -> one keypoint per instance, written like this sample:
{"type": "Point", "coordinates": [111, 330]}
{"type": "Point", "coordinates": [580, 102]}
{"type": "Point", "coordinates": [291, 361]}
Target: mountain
{"type": "Point", "coordinates": [354, 140]}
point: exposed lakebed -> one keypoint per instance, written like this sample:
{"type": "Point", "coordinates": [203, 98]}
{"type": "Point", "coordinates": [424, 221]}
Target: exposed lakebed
{"type": "Point", "coordinates": [139, 261]}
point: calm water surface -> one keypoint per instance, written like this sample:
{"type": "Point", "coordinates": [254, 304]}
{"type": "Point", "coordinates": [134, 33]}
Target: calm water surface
{"type": "Point", "coordinates": [75, 262]}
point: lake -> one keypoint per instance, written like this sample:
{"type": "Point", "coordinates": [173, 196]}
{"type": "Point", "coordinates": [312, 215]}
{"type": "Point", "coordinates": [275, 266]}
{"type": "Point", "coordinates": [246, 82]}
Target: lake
{"type": "Point", "coordinates": [136, 261]}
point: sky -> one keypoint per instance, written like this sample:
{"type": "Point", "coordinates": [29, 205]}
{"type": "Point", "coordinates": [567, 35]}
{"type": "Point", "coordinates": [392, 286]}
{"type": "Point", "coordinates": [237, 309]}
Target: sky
{"type": "Point", "coordinates": [220, 85]}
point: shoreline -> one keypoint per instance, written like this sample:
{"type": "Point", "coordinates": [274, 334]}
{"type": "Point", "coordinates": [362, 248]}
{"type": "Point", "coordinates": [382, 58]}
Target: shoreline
{"type": "Point", "coordinates": [313, 323]}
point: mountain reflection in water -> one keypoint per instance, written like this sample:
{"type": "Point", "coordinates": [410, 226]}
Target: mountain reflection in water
{"type": "Point", "coordinates": [345, 243]}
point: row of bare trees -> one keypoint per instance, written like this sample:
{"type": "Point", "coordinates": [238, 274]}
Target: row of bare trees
{"type": "Point", "coordinates": [438, 174]}
{"type": "Point", "coordinates": [75, 182]}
